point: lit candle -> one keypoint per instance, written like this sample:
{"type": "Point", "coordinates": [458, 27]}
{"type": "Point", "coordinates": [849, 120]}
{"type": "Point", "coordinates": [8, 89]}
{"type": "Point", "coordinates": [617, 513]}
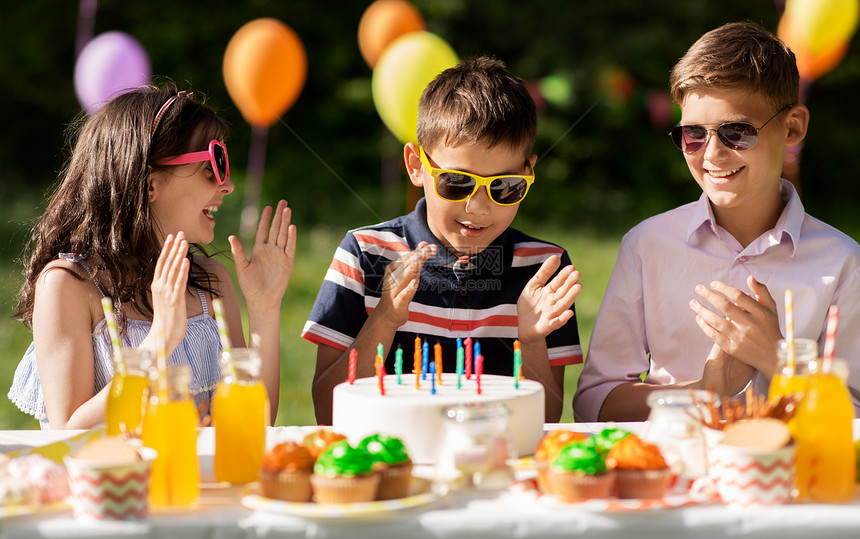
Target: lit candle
{"type": "Point", "coordinates": [416, 362]}
{"type": "Point", "coordinates": [468, 344]}
{"type": "Point", "coordinates": [425, 357]}
{"type": "Point", "coordinates": [433, 378]}
{"type": "Point", "coordinates": [460, 360]}
{"type": "Point", "coordinates": [379, 350]}
{"type": "Point", "coordinates": [479, 369]}
{"type": "Point", "coordinates": [437, 353]}
{"type": "Point", "coordinates": [380, 373]}
{"type": "Point", "coordinates": [518, 364]}
{"type": "Point", "coordinates": [353, 354]}
{"type": "Point", "coordinates": [398, 363]}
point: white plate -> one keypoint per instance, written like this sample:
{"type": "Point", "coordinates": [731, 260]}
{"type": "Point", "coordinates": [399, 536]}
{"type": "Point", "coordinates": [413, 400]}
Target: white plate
{"type": "Point", "coordinates": [420, 495]}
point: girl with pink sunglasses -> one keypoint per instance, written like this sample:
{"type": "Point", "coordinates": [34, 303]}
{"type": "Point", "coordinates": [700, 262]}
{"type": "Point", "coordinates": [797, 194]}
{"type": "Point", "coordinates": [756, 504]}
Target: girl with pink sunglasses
{"type": "Point", "coordinates": [134, 202]}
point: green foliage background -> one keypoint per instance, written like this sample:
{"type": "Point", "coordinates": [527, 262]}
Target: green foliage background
{"type": "Point", "coordinates": [605, 162]}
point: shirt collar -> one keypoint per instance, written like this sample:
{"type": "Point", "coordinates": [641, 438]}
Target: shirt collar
{"type": "Point", "coordinates": [444, 257]}
{"type": "Point", "coordinates": [789, 223]}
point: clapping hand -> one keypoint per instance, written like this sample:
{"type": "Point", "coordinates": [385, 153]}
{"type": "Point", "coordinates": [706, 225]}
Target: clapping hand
{"type": "Point", "coordinates": [544, 307]}
{"type": "Point", "coordinates": [264, 277]}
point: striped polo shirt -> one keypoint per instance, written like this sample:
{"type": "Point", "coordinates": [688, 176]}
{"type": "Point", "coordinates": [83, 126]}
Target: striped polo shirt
{"type": "Point", "coordinates": [474, 297]}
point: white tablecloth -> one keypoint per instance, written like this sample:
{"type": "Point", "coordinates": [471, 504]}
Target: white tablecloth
{"type": "Point", "coordinates": [509, 514]}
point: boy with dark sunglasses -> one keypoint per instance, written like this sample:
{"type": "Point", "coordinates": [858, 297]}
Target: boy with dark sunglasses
{"type": "Point", "coordinates": [453, 268]}
{"type": "Point", "coordinates": [729, 256]}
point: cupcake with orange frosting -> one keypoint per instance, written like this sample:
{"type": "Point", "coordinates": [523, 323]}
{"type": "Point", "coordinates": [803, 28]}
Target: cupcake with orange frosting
{"type": "Point", "coordinates": [640, 469]}
{"type": "Point", "coordinates": [548, 448]}
{"type": "Point", "coordinates": [320, 440]}
{"type": "Point", "coordinates": [579, 472]}
{"type": "Point", "coordinates": [286, 473]}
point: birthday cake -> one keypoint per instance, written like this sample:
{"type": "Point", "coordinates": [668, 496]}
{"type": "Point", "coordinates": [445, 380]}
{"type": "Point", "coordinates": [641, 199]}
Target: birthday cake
{"type": "Point", "coordinates": [417, 416]}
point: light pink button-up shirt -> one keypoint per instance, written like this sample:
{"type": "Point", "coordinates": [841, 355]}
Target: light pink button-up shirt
{"type": "Point", "coordinates": [646, 325]}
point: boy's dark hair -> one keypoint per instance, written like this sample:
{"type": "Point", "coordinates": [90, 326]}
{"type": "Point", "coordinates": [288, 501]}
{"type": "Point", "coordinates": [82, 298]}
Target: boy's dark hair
{"type": "Point", "coordinates": [740, 55]}
{"type": "Point", "coordinates": [478, 100]}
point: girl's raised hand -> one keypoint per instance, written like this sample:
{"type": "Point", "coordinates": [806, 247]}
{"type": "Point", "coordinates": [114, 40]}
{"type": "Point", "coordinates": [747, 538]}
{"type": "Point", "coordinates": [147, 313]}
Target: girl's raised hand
{"type": "Point", "coordinates": [264, 277]}
{"type": "Point", "coordinates": [169, 283]}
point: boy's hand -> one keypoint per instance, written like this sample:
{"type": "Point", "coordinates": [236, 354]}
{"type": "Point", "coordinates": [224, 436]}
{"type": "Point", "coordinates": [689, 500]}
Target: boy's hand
{"type": "Point", "coordinates": [264, 278]}
{"type": "Point", "coordinates": [724, 374]}
{"type": "Point", "coordinates": [543, 308]}
{"type": "Point", "coordinates": [400, 283]}
{"type": "Point", "coordinates": [169, 282]}
{"type": "Point", "coordinates": [749, 327]}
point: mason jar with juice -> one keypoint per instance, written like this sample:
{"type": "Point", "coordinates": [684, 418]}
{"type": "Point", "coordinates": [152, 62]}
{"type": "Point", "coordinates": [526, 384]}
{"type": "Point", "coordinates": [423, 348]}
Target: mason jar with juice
{"type": "Point", "coordinates": [240, 413]}
{"type": "Point", "coordinates": [129, 387]}
{"type": "Point", "coordinates": [792, 370]}
{"type": "Point", "coordinates": [826, 457]}
{"type": "Point", "coordinates": [170, 428]}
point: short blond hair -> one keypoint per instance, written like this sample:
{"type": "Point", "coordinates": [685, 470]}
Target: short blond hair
{"type": "Point", "coordinates": [740, 55]}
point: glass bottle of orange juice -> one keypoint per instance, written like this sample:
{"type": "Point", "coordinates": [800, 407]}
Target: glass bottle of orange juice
{"type": "Point", "coordinates": [791, 378]}
{"type": "Point", "coordinates": [128, 390]}
{"type": "Point", "coordinates": [170, 427]}
{"type": "Point", "coordinates": [240, 413]}
{"type": "Point", "coordinates": [826, 457]}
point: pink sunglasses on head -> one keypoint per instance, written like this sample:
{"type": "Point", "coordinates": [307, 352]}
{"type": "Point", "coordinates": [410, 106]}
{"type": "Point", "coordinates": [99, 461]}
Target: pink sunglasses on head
{"type": "Point", "coordinates": [216, 155]}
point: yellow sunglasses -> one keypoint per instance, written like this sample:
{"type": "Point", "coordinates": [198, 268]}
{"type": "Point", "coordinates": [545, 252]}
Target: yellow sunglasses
{"type": "Point", "coordinates": [455, 185]}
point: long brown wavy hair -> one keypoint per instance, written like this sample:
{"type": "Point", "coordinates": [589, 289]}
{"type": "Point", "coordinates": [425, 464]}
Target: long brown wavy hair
{"type": "Point", "coordinates": [99, 208]}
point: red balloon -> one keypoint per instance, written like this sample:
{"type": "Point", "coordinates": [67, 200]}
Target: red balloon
{"type": "Point", "coordinates": [265, 68]}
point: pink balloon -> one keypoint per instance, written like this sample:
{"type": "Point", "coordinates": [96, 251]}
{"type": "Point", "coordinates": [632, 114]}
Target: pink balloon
{"type": "Point", "coordinates": [111, 64]}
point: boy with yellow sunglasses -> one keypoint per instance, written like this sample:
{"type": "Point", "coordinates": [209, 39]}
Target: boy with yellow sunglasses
{"type": "Point", "coordinates": [453, 268]}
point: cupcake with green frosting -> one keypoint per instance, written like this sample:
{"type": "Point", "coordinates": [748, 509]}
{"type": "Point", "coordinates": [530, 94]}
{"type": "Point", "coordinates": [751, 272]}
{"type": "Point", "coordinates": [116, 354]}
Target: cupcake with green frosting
{"type": "Point", "coordinates": [392, 462]}
{"type": "Point", "coordinates": [580, 472]}
{"type": "Point", "coordinates": [605, 439]}
{"type": "Point", "coordinates": [344, 474]}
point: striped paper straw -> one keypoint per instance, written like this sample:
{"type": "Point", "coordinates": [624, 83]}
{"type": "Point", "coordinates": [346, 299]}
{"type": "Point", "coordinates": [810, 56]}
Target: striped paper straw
{"type": "Point", "coordinates": [789, 331]}
{"type": "Point", "coordinates": [161, 358]}
{"type": "Point", "coordinates": [830, 338]}
{"type": "Point", "coordinates": [226, 346]}
{"type": "Point", "coordinates": [222, 325]}
{"type": "Point", "coordinates": [113, 331]}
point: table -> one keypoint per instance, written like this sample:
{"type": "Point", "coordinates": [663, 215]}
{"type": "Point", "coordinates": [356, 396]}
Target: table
{"type": "Point", "coordinates": [508, 514]}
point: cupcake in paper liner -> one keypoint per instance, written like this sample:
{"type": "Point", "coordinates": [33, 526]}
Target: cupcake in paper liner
{"type": "Point", "coordinates": [392, 462]}
{"type": "Point", "coordinates": [580, 472]}
{"type": "Point", "coordinates": [640, 469]}
{"type": "Point", "coordinates": [344, 474]}
{"type": "Point", "coordinates": [548, 448]}
{"type": "Point", "coordinates": [320, 440]}
{"type": "Point", "coordinates": [286, 473]}
{"type": "Point", "coordinates": [109, 480]}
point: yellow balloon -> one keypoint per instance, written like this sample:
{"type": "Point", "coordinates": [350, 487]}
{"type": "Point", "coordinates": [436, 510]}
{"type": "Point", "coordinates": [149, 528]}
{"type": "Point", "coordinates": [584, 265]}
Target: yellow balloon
{"type": "Point", "coordinates": [825, 24]}
{"type": "Point", "coordinates": [405, 68]}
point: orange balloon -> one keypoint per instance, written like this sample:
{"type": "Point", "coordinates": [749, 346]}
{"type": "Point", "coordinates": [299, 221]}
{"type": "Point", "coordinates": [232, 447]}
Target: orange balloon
{"type": "Point", "coordinates": [265, 68]}
{"type": "Point", "coordinates": [810, 63]}
{"type": "Point", "coordinates": [383, 22]}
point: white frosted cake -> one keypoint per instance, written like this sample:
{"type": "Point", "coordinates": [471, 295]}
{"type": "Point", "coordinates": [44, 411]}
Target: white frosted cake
{"type": "Point", "coordinates": [417, 417]}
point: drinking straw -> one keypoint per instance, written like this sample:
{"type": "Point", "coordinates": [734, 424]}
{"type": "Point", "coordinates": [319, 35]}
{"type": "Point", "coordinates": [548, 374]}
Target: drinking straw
{"type": "Point", "coordinates": [226, 346]}
{"type": "Point", "coordinates": [222, 325]}
{"type": "Point", "coordinates": [789, 332]}
{"type": "Point", "coordinates": [113, 331]}
{"type": "Point", "coordinates": [161, 358]}
{"type": "Point", "coordinates": [830, 338]}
